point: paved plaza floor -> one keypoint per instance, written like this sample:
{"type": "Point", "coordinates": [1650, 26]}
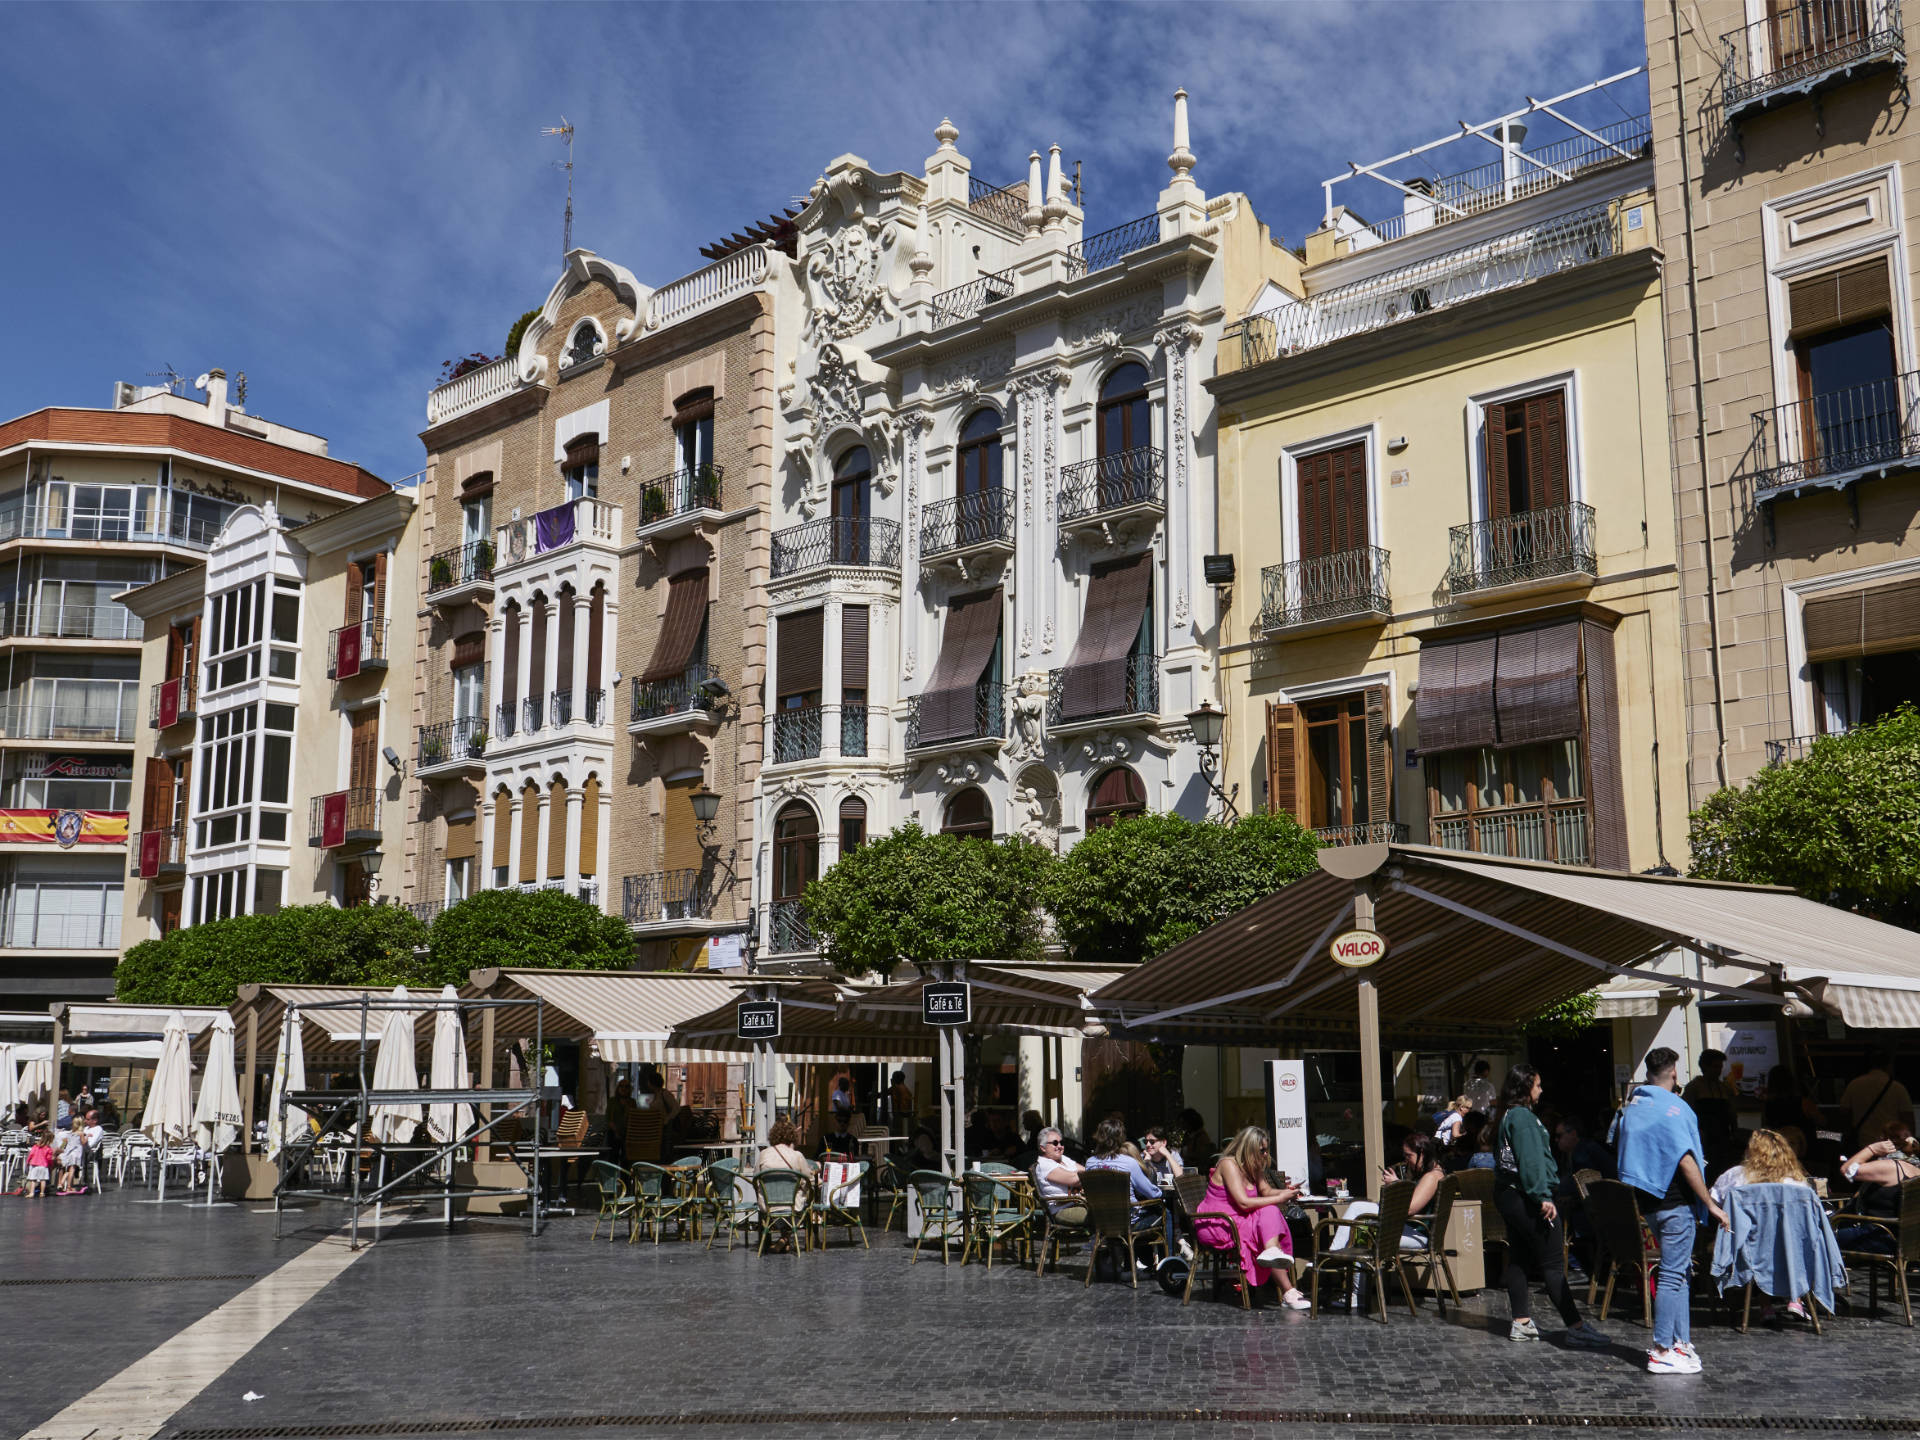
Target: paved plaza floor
{"type": "Point", "coordinates": [488, 1331]}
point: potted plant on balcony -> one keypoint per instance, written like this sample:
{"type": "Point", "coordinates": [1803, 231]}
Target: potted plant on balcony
{"type": "Point", "coordinates": [483, 558]}
{"type": "Point", "coordinates": [477, 743]}
{"type": "Point", "coordinates": [433, 749]}
{"type": "Point", "coordinates": [653, 504]}
{"type": "Point", "coordinates": [439, 572]}
{"type": "Point", "coordinates": [703, 491]}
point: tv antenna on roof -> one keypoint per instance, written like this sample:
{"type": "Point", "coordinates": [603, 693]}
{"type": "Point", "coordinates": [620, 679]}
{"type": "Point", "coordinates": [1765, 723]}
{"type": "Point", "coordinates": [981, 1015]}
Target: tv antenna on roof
{"type": "Point", "coordinates": [175, 382]}
{"type": "Point", "coordinates": [565, 131]}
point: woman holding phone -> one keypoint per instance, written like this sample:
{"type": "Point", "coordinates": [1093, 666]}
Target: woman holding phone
{"type": "Point", "coordinates": [1238, 1187]}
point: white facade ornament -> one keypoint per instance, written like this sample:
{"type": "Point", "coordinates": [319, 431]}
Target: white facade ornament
{"type": "Point", "coordinates": [1026, 639]}
{"type": "Point", "coordinates": [972, 373]}
{"type": "Point", "coordinates": [833, 394]}
{"type": "Point", "coordinates": [845, 288]}
{"type": "Point", "coordinates": [1104, 746]}
{"type": "Point", "coordinates": [1030, 717]}
{"type": "Point", "coordinates": [918, 424]}
{"type": "Point", "coordinates": [1176, 341]}
{"type": "Point", "coordinates": [907, 663]}
{"type": "Point", "coordinates": [883, 435]}
{"type": "Point", "coordinates": [1047, 636]}
{"type": "Point", "coordinates": [1057, 380]}
{"type": "Point", "coordinates": [1107, 328]}
{"type": "Point", "coordinates": [956, 770]}
{"type": "Point", "coordinates": [1038, 809]}
{"type": "Point", "coordinates": [1181, 613]}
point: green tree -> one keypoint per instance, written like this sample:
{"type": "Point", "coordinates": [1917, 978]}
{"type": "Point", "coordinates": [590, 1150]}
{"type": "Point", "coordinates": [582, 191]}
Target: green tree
{"type": "Point", "coordinates": [300, 945]}
{"type": "Point", "coordinates": [1841, 824]}
{"type": "Point", "coordinates": [519, 329]}
{"type": "Point", "coordinates": [1132, 890]}
{"type": "Point", "coordinates": [920, 898]}
{"type": "Point", "coordinates": [526, 930]}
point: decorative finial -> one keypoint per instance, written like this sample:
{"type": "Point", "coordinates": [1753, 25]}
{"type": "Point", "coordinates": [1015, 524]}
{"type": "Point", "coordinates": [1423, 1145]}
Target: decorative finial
{"type": "Point", "coordinates": [1055, 211]}
{"type": "Point", "coordinates": [1034, 215]}
{"type": "Point", "coordinates": [945, 133]}
{"type": "Point", "coordinates": [1181, 160]}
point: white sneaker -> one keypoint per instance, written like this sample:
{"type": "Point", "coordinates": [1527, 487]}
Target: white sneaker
{"type": "Point", "coordinates": [1294, 1300]}
{"type": "Point", "coordinates": [1272, 1258]}
{"type": "Point", "coordinates": [1672, 1362]}
{"type": "Point", "coordinates": [1186, 1251]}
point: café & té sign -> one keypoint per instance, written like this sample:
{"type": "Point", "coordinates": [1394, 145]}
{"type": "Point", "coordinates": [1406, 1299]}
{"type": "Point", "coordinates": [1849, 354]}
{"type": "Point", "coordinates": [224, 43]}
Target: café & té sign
{"type": "Point", "coordinates": [1357, 949]}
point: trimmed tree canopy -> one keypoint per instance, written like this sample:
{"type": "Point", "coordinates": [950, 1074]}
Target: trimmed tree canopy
{"type": "Point", "coordinates": [527, 930]}
{"type": "Point", "coordinates": [1129, 891]}
{"type": "Point", "coordinates": [920, 898]}
{"type": "Point", "coordinates": [300, 945]}
{"type": "Point", "coordinates": [1841, 825]}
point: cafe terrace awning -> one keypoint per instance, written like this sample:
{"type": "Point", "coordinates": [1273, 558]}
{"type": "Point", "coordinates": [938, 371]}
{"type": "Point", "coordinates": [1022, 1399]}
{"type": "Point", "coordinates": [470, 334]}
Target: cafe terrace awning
{"type": "Point", "coordinates": [1035, 999]}
{"type": "Point", "coordinates": [811, 1030]}
{"type": "Point", "coordinates": [329, 1037]}
{"type": "Point", "coordinates": [125, 1052]}
{"type": "Point", "coordinates": [125, 1020]}
{"type": "Point", "coordinates": [1477, 943]}
{"type": "Point", "coordinates": [629, 1015]}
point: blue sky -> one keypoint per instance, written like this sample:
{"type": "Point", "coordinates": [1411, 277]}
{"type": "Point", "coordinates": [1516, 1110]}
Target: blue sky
{"type": "Point", "coordinates": [337, 198]}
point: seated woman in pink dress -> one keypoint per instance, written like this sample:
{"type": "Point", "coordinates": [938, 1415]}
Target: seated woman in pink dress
{"type": "Point", "coordinates": [1239, 1187]}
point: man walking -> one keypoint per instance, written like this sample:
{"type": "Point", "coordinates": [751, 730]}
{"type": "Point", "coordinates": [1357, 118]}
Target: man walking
{"type": "Point", "coordinates": [1658, 1140]}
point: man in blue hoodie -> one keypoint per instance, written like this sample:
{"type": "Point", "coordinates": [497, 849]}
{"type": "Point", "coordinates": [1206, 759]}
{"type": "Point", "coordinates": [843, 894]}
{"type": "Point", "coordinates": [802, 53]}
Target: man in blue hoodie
{"type": "Point", "coordinates": [1658, 1140]}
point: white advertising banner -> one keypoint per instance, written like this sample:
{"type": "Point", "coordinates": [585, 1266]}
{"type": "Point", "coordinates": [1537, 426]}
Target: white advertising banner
{"type": "Point", "coordinates": [1289, 1082]}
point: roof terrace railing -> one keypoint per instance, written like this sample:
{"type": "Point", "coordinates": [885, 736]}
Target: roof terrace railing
{"type": "Point", "coordinates": [1110, 247]}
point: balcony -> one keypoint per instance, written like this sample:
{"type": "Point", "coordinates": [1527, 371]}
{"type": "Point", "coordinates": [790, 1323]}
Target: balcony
{"type": "Point", "coordinates": [1110, 247]}
{"type": "Point", "coordinates": [1563, 242]}
{"type": "Point", "coordinates": [861, 544]}
{"type": "Point", "coordinates": [171, 702]}
{"type": "Point", "coordinates": [452, 747]}
{"type": "Point", "coordinates": [461, 574]}
{"type": "Point", "coordinates": [1114, 691]}
{"type": "Point", "coordinates": [1535, 550]}
{"type": "Point", "coordinates": [1002, 205]}
{"type": "Point", "coordinates": [506, 719]}
{"type": "Point", "coordinates": [963, 302]}
{"type": "Point", "coordinates": [1805, 47]}
{"type": "Point", "coordinates": [560, 706]}
{"type": "Point", "coordinates": [796, 735]}
{"type": "Point", "coordinates": [668, 900]}
{"type": "Point", "coordinates": [82, 915]}
{"type": "Point", "coordinates": [161, 855]}
{"type": "Point", "coordinates": [425, 911]}
{"type": "Point", "coordinates": [1561, 834]}
{"type": "Point", "coordinates": [678, 502]}
{"type": "Point", "coordinates": [532, 715]}
{"type": "Point", "coordinates": [787, 930]}
{"type": "Point", "coordinates": [1110, 490]}
{"type": "Point", "coordinates": [1797, 747]}
{"type": "Point", "coordinates": [346, 817]}
{"type": "Point", "coordinates": [1385, 832]}
{"type": "Point", "coordinates": [158, 526]}
{"type": "Point", "coordinates": [472, 390]}
{"type": "Point", "coordinates": [69, 622]}
{"type": "Point", "coordinates": [687, 701]}
{"type": "Point", "coordinates": [74, 710]}
{"type": "Point", "coordinates": [863, 731]}
{"type": "Point", "coordinates": [1327, 592]}
{"type": "Point", "coordinates": [968, 527]}
{"type": "Point", "coordinates": [989, 720]}
{"type": "Point", "coordinates": [1836, 438]}
{"type": "Point", "coordinates": [709, 287]}
{"type": "Point", "coordinates": [355, 649]}
{"type": "Point", "coordinates": [574, 522]}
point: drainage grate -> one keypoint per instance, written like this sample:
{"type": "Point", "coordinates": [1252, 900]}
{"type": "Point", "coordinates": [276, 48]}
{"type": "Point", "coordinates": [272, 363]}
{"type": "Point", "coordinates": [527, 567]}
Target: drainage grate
{"type": "Point", "coordinates": [892, 1420]}
{"type": "Point", "coordinates": [128, 1279]}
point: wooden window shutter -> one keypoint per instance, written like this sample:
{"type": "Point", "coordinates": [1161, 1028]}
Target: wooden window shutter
{"type": "Point", "coordinates": [1606, 766]}
{"type": "Point", "coordinates": [1316, 505]}
{"type": "Point", "coordinates": [193, 645]}
{"type": "Point", "coordinates": [1496, 452]}
{"type": "Point", "coordinates": [156, 806]}
{"type": "Point", "coordinates": [356, 578]}
{"type": "Point", "coordinates": [1350, 498]}
{"type": "Point", "coordinates": [176, 652]}
{"type": "Point", "coordinates": [363, 771]}
{"type": "Point", "coordinates": [502, 830]}
{"type": "Point", "coordinates": [1379, 756]}
{"type": "Point", "coordinates": [590, 826]}
{"type": "Point", "coordinates": [557, 830]}
{"type": "Point", "coordinates": [1550, 482]}
{"type": "Point", "coordinates": [529, 836]}
{"type": "Point", "coordinates": [853, 647]}
{"type": "Point", "coordinates": [379, 587]}
{"type": "Point", "coordinates": [461, 838]}
{"type": "Point", "coordinates": [1286, 759]}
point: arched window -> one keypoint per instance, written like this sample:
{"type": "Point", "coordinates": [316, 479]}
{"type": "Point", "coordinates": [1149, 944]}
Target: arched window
{"type": "Point", "coordinates": [1125, 423]}
{"type": "Point", "coordinates": [585, 344]}
{"type": "Point", "coordinates": [1116, 794]}
{"type": "Point", "coordinates": [693, 431]}
{"type": "Point", "coordinates": [852, 506]}
{"type": "Point", "coordinates": [853, 824]}
{"type": "Point", "coordinates": [969, 814]}
{"type": "Point", "coordinates": [979, 453]}
{"type": "Point", "coordinates": [796, 850]}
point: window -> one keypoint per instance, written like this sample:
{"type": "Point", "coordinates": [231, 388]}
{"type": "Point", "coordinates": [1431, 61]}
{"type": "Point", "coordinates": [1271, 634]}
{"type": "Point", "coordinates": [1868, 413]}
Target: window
{"type": "Point", "coordinates": [220, 895]}
{"type": "Point", "coordinates": [581, 468]}
{"type": "Point", "coordinates": [269, 890]}
{"type": "Point", "coordinates": [1330, 764]}
{"type": "Point", "coordinates": [1332, 501]}
{"type": "Point", "coordinates": [476, 520]}
{"type": "Point", "coordinates": [1336, 779]}
{"type": "Point", "coordinates": [232, 753]}
{"type": "Point", "coordinates": [459, 879]}
{"type": "Point", "coordinates": [1846, 364]}
{"type": "Point", "coordinates": [1116, 795]}
{"type": "Point", "coordinates": [969, 814]}
{"type": "Point", "coordinates": [852, 506]}
{"type": "Point", "coordinates": [469, 692]}
{"type": "Point", "coordinates": [1125, 422]}
{"type": "Point", "coordinates": [72, 903]}
{"type": "Point", "coordinates": [853, 824]}
{"type": "Point", "coordinates": [233, 637]}
{"type": "Point", "coordinates": [1861, 653]}
{"type": "Point", "coordinates": [979, 454]}
{"type": "Point", "coordinates": [585, 344]}
{"type": "Point", "coordinates": [283, 659]}
{"type": "Point", "coordinates": [1528, 802]}
{"type": "Point", "coordinates": [796, 851]}
{"type": "Point", "coordinates": [693, 430]}
{"type": "Point", "coordinates": [196, 519]}
{"type": "Point", "coordinates": [38, 781]}
{"type": "Point", "coordinates": [1526, 454]}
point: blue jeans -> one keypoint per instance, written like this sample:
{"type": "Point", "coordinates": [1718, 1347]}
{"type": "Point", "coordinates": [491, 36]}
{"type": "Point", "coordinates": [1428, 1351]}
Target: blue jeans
{"type": "Point", "coordinates": [1673, 1227]}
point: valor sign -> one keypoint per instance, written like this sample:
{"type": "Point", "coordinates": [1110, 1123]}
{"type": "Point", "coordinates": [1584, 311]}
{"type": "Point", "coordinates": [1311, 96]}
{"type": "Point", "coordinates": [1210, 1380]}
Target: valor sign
{"type": "Point", "coordinates": [1357, 949]}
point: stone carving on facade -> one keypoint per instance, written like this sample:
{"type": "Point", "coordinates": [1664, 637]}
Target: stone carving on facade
{"type": "Point", "coordinates": [1176, 341]}
{"type": "Point", "coordinates": [907, 662]}
{"type": "Point", "coordinates": [1181, 611]}
{"type": "Point", "coordinates": [1036, 799]}
{"type": "Point", "coordinates": [972, 373]}
{"type": "Point", "coordinates": [846, 291]}
{"type": "Point", "coordinates": [795, 787]}
{"type": "Point", "coordinates": [1026, 639]}
{"type": "Point", "coordinates": [1030, 717]}
{"type": "Point", "coordinates": [917, 425]}
{"type": "Point", "coordinates": [1107, 329]}
{"type": "Point", "coordinates": [1103, 747]}
{"type": "Point", "coordinates": [1057, 380]}
{"type": "Point", "coordinates": [957, 770]}
{"type": "Point", "coordinates": [883, 435]}
{"type": "Point", "coordinates": [833, 394]}
{"type": "Point", "coordinates": [1047, 636]}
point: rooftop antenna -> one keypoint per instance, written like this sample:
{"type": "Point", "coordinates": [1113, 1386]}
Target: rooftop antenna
{"type": "Point", "coordinates": [175, 382]}
{"type": "Point", "coordinates": [565, 131]}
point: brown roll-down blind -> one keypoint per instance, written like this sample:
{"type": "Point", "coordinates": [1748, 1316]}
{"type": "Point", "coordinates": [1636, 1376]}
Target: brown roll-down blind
{"type": "Point", "coordinates": [510, 660]}
{"type": "Point", "coordinates": [537, 650]}
{"type": "Point", "coordinates": [682, 849]}
{"type": "Point", "coordinates": [1863, 622]}
{"type": "Point", "coordinates": [477, 484]}
{"type": "Point", "coordinates": [461, 835]}
{"type": "Point", "coordinates": [563, 663]}
{"type": "Point", "coordinates": [502, 830]}
{"type": "Point", "coordinates": [966, 645]}
{"type": "Point", "coordinates": [692, 406]}
{"type": "Point", "coordinates": [1839, 297]}
{"type": "Point", "coordinates": [1454, 706]}
{"type": "Point", "coordinates": [1117, 597]}
{"type": "Point", "coordinates": [582, 450]}
{"type": "Point", "coordinates": [1607, 788]}
{"type": "Point", "coordinates": [529, 833]}
{"type": "Point", "coordinates": [1379, 768]}
{"type": "Point", "coordinates": [596, 634]}
{"type": "Point", "coordinates": [590, 826]}
{"type": "Point", "coordinates": [853, 647]}
{"type": "Point", "coordinates": [798, 660]}
{"type": "Point", "coordinates": [557, 830]}
{"type": "Point", "coordinates": [469, 650]}
{"type": "Point", "coordinates": [680, 630]}
{"type": "Point", "coordinates": [1286, 758]}
{"type": "Point", "coordinates": [1536, 684]}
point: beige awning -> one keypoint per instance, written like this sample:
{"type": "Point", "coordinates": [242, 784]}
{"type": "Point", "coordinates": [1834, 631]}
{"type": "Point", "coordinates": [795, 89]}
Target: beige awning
{"type": "Point", "coordinates": [1035, 999]}
{"type": "Point", "coordinates": [811, 1030]}
{"type": "Point", "coordinates": [125, 1018]}
{"type": "Point", "coordinates": [1626, 997]}
{"type": "Point", "coordinates": [629, 1015]}
{"type": "Point", "coordinates": [330, 1036]}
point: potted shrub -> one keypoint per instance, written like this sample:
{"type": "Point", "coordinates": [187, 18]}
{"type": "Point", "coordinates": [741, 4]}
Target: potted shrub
{"type": "Point", "coordinates": [483, 558]}
{"type": "Point", "coordinates": [432, 749]}
{"type": "Point", "coordinates": [439, 571]}
{"type": "Point", "coordinates": [477, 742]}
{"type": "Point", "coordinates": [653, 504]}
{"type": "Point", "coordinates": [705, 488]}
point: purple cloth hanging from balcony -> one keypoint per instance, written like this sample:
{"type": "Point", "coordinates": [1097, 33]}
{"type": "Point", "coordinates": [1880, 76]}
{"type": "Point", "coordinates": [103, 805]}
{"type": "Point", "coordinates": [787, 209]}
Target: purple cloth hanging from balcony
{"type": "Point", "coordinates": [553, 528]}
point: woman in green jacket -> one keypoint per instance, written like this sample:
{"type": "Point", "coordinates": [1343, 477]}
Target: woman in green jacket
{"type": "Point", "coordinates": [1523, 1193]}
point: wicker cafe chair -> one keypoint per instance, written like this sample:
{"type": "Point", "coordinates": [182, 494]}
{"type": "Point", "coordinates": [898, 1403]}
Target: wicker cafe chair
{"type": "Point", "coordinates": [890, 1184]}
{"type": "Point", "coordinates": [934, 1190]}
{"type": "Point", "coordinates": [615, 1199]}
{"type": "Point", "coordinates": [1477, 1186]}
{"type": "Point", "coordinates": [1622, 1242]}
{"type": "Point", "coordinates": [1436, 1261]}
{"type": "Point", "coordinates": [1223, 1262]}
{"type": "Point", "coordinates": [998, 1212]}
{"type": "Point", "coordinates": [689, 1176]}
{"type": "Point", "coordinates": [644, 1133]}
{"type": "Point", "coordinates": [1109, 1196]}
{"type": "Point", "coordinates": [783, 1197]}
{"type": "Point", "coordinates": [1373, 1246]}
{"type": "Point", "coordinates": [727, 1206]}
{"type": "Point", "coordinates": [1905, 1231]}
{"type": "Point", "coordinates": [1581, 1180]}
{"type": "Point", "coordinates": [833, 1205]}
{"type": "Point", "coordinates": [1054, 1232]}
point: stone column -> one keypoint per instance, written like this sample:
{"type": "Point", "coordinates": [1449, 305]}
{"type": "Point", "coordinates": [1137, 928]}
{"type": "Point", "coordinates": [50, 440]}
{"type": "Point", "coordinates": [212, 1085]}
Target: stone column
{"type": "Point", "coordinates": [603, 872]}
{"type": "Point", "coordinates": [582, 617]}
{"type": "Point", "coordinates": [576, 796]}
{"type": "Point", "coordinates": [496, 672]}
{"type": "Point", "coordinates": [542, 851]}
{"type": "Point", "coordinates": [550, 681]}
{"type": "Point", "coordinates": [483, 813]}
{"type": "Point", "coordinates": [518, 829]}
{"type": "Point", "coordinates": [832, 703]}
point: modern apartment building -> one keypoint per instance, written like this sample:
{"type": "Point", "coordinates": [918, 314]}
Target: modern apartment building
{"type": "Point", "coordinates": [1444, 486]}
{"type": "Point", "coordinates": [594, 557]}
{"type": "Point", "coordinates": [995, 495]}
{"type": "Point", "coordinates": [1784, 167]}
{"type": "Point", "coordinates": [94, 503]}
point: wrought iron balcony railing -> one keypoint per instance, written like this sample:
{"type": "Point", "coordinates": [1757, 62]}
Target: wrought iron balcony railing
{"type": "Point", "coordinates": [426, 911]}
{"type": "Point", "coordinates": [506, 718]}
{"type": "Point", "coordinates": [1004, 205]}
{"type": "Point", "coordinates": [1074, 696]}
{"type": "Point", "coordinates": [1326, 587]}
{"type": "Point", "coordinates": [1097, 487]}
{"type": "Point", "coordinates": [667, 895]}
{"type": "Point", "coordinates": [686, 693]}
{"type": "Point", "coordinates": [1831, 438]}
{"type": "Point", "coordinates": [1797, 747]}
{"type": "Point", "coordinates": [1384, 832]}
{"type": "Point", "coordinates": [561, 702]}
{"type": "Point", "coordinates": [982, 518]}
{"type": "Point", "coordinates": [171, 701]}
{"type": "Point", "coordinates": [373, 647]}
{"type": "Point", "coordinates": [963, 302]}
{"type": "Point", "coordinates": [361, 810]}
{"type": "Point", "coordinates": [863, 730]}
{"type": "Point", "coordinates": [532, 712]}
{"type": "Point", "coordinates": [989, 717]}
{"type": "Point", "coordinates": [1560, 833]}
{"type": "Point", "coordinates": [1533, 545]}
{"type": "Point", "coordinates": [463, 565]}
{"type": "Point", "coordinates": [796, 734]}
{"type": "Point", "coordinates": [873, 544]}
{"type": "Point", "coordinates": [451, 742]}
{"type": "Point", "coordinates": [680, 492]}
{"type": "Point", "coordinates": [1800, 46]}
{"type": "Point", "coordinates": [1110, 247]}
{"type": "Point", "coordinates": [1560, 243]}
{"type": "Point", "coordinates": [787, 930]}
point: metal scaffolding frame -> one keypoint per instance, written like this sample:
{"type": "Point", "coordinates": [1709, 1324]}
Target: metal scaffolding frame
{"type": "Point", "coordinates": [491, 1107]}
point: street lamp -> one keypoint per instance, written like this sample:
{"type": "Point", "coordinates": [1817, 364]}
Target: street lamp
{"type": "Point", "coordinates": [706, 809]}
{"type": "Point", "coordinates": [1207, 725]}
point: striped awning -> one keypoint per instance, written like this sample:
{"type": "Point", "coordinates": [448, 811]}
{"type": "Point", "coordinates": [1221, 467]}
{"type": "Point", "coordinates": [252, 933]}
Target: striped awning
{"type": "Point", "coordinates": [1626, 997]}
{"type": "Point", "coordinates": [812, 1029]}
{"type": "Point", "coordinates": [629, 1015]}
{"type": "Point", "coordinates": [1026, 999]}
{"type": "Point", "coordinates": [329, 1036]}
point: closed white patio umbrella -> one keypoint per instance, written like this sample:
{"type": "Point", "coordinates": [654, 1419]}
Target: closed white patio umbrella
{"type": "Point", "coordinates": [169, 1113]}
{"type": "Point", "coordinates": [216, 1114]}
{"type": "Point", "coordinates": [10, 1095]}
{"type": "Point", "coordinates": [395, 1068]}
{"type": "Point", "coordinates": [289, 1073]}
{"type": "Point", "coordinates": [36, 1082]}
{"type": "Point", "coordinates": [447, 1123]}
